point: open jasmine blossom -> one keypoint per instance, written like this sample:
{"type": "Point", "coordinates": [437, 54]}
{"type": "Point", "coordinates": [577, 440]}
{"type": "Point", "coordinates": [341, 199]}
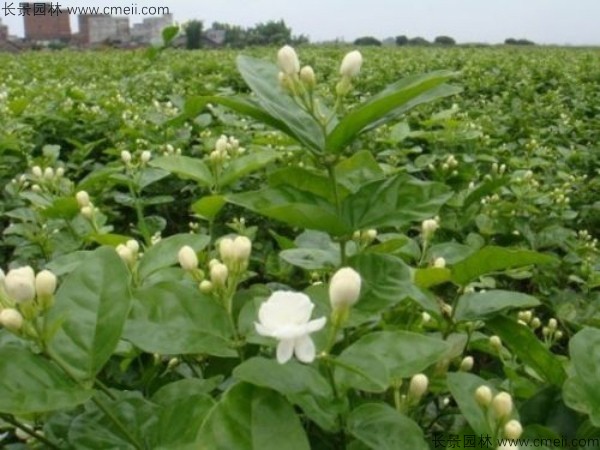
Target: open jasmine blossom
{"type": "Point", "coordinates": [285, 316]}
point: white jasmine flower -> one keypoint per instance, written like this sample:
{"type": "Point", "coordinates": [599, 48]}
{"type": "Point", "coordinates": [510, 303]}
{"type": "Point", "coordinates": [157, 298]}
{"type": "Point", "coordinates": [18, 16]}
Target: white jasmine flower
{"type": "Point", "coordinates": [285, 316]}
{"type": "Point", "coordinates": [344, 288]}
{"type": "Point", "coordinates": [188, 260]}
{"type": "Point", "coordinates": [45, 284]}
{"type": "Point", "coordinates": [351, 64]}
{"type": "Point", "coordinates": [287, 59]}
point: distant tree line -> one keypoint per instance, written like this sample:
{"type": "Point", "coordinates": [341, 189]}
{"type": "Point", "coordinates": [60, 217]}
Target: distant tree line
{"type": "Point", "coordinates": [235, 36]}
{"type": "Point", "coordinates": [421, 41]}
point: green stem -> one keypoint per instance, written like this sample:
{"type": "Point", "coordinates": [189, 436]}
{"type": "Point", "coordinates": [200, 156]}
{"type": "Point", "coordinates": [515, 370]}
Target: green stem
{"type": "Point", "coordinates": [115, 420]}
{"type": "Point", "coordinates": [7, 418]}
{"type": "Point", "coordinates": [139, 212]}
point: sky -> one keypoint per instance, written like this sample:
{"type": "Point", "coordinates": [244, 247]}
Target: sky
{"type": "Point", "coordinates": [572, 22]}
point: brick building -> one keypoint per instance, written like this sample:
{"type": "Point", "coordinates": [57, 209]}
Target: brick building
{"type": "Point", "coordinates": [98, 29]}
{"type": "Point", "coordinates": [46, 22]}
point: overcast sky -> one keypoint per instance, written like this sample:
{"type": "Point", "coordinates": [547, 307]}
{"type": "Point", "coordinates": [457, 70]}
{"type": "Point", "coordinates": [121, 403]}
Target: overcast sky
{"type": "Point", "coordinates": [573, 22]}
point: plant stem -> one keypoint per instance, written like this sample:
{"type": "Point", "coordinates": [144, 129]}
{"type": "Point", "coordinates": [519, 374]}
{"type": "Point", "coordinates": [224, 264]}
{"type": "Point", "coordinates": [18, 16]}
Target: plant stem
{"type": "Point", "coordinates": [115, 420]}
{"type": "Point", "coordinates": [7, 418]}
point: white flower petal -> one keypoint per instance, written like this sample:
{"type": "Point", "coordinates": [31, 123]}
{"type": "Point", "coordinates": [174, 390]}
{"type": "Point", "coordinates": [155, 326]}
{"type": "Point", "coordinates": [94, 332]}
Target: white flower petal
{"type": "Point", "coordinates": [316, 325]}
{"type": "Point", "coordinates": [262, 330]}
{"type": "Point", "coordinates": [285, 349]}
{"type": "Point", "coordinates": [304, 349]}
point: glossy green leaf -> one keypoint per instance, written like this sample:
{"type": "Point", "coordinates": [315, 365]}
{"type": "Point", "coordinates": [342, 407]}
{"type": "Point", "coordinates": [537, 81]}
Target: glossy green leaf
{"type": "Point", "coordinates": [581, 390]}
{"type": "Point", "coordinates": [400, 353]}
{"type": "Point", "coordinates": [431, 276]}
{"type": "Point", "coordinates": [394, 202]}
{"type": "Point", "coordinates": [242, 166]}
{"type": "Point", "coordinates": [494, 259]}
{"type": "Point", "coordinates": [380, 427]}
{"type": "Point", "coordinates": [289, 378]}
{"type": "Point", "coordinates": [528, 348]}
{"type": "Point", "coordinates": [357, 170]}
{"type": "Point", "coordinates": [307, 181]}
{"type": "Point", "coordinates": [164, 253]}
{"type": "Point", "coordinates": [186, 168]}
{"type": "Point", "coordinates": [173, 318]}
{"type": "Point", "coordinates": [62, 208]}
{"type": "Point", "coordinates": [31, 384]}
{"type": "Point", "coordinates": [209, 207]}
{"type": "Point", "coordinates": [481, 305]}
{"type": "Point", "coordinates": [90, 309]}
{"type": "Point", "coordinates": [315, 250]}
{"type": "Point", "coordinates": [262, 77]}
{"type": "Point", "coordinates": [294, 207]}
{"type": "Point", "coordinates": [248, 418]}
{"type": "Point", "coordinates": [462, 386]}
{"type": "Point", "coordinates": [412, 89]}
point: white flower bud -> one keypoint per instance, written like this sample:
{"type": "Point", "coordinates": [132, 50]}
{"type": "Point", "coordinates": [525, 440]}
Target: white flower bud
{"type": "Point", "coordinates": [428, 227]}
{"type": "Point", "coordinates": [60, 172]}
{"type": "Point", "coordinates": [439, 263]}
{"type": "Point", "coordinates": [535, 323]}
{"type": "Point", "coordinates": [418, 385]}
{"type": "Point", "coordinates": [351, 64]}
{"type": "Point", "coordinates": [221, 145]}
{"type": "Point", "coordinates": [37, 171]}
{"type": "Point", "coordinates": [125, 254]}
{"type": "Point", "coordinates": [218, 274]}
{"type": "Point", "coordinates": [20, 284]}
{"type": "Point", "coordinates": [45, 284]}
{"type": "Point", "coordinates": [307, 75]}
{"type": "Point", "coordinates": [466, 364]}
{"type": "Point", "coordinates": [371, 234]}
{"type": "Point", "coordinates": [212, 262]}
{"type": "Point", "coordinates": [242, 246]}
{"type": "Point", "coordinates": [344, 288]}
{"type": "Point", "coordinates": [11, 319]}
{"type": "Point", "coordinates": [83, 199]}
{"type": "Point", "coordinates": [513, 429]}
{"type": "Point", "coordinates": [188, 260]}
{"type": "Point", "coordinates": [552, 324]}
{"type": "Point", "coordinates": [205, 286]}
{"type": "Point", "coordinates": [133, 245]}
{"type": "Point", "coordinates": [496, 343]}
{"type": "Point", "coordinates": [558, 335]}
{"type": "Point", "coordinates": [126, 156]}
{"type": "Point", "coordinates": [425, 317]}
{"type": "Point", "coordinates": [287, 59]}
{"type": "Point", "coordinates": [36, 188]}
{"type": "Point", "coordinates": [502, 405]}
{"type": "Point", "coordinates": [87, 211]}
{"type": "Point", "coordinates": [145, 156]}
{"type": "Point", "coordinates": [48, 173]}
{"type": "Point", "coordinates": [227, 250]}
{"type": "Point", "coordinates": [483, 395]}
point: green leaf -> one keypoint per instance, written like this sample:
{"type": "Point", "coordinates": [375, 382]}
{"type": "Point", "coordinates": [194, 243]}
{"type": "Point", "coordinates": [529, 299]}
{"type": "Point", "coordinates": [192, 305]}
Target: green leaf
{"type": "Point", "coordinates": [62, 208]}
{"type": "Point", "coordinates": [581, 390]}
{"type": "Point", "coordinates": [528, 348]}
{"type": "Point", "coordinates": [31, 384]}
{"type": "Point", "coordinates": [186, 168]}
{"type": "Point", "coordinates": [381, 427]}
{"type": "Point", "coordinates": [208, 207]}
{"type": "Point", "coordinates": [242, 166]}
{"type": "Point", "coordinates": [172, 318]}
{"type": "Point", "coordinates": [294, 207]}
{"type": "Point", "coordinates": [262, 77]}
{"type": "Point", "coordinates": [401, 354]}
{"type": "Point", "coordinates": [177, 390]}
{"type": "Point", "coordinates": [481, 305]}
{"type": "Point", "coordinates": [431, 276]}
{"type": "Point", "coordinates": [395, 202]}
{"type": "Point", "coordinates": [249, 418]}
{"type": "Point", "coordinates": [396, 98]}
{"type": "Point", "coordinates": [90, 309]}
{"type": "Point", "coordinates": [164, 253]}
{"type": "Point", "coordinates": [307, 181]}
{"type": "Point", "coordinates": [493, 259]}
{"type": "Point", "coordinates": [315, 251]}
{"type": "Point", "coordinates": [169, 33]}
{"type": "Point", "coordinates": [361, 168]}
{"type": "Point", "coordinates": [462, 386]}
{"type": "Point", "coordinates": [289, 378]}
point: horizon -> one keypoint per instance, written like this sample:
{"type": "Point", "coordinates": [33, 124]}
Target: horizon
{"type": "Point", "coordinates": [546, 22]}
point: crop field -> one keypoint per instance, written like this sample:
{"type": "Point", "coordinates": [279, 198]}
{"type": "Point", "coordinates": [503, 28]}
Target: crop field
{"type": "Point", "coordinates": [206, 250]}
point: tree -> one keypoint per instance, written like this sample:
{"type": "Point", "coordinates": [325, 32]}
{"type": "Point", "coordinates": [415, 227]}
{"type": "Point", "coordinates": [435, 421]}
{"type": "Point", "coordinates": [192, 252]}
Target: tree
{"type": "Point", "coordinates": [270, 33]}
{"type": "Point", "coordinates": [444, 40]}
{"type": "Point", "coordinates": [367, 40]}
{"type": "Point", "coordinates": [418, 41]}
{"type": "Point", "coordinates": [193, 35]}
{"type": "Point", "coordinates": [401, 40]}
{"type": "Point", "coordinates": [512, 41]}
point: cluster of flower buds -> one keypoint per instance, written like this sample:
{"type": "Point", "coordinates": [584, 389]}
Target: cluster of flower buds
{"type": "Point", "coordinates": [129, 252]}
{"type": "Point", "coordinates": [498, 169]}
{"type": "Point", "coordinates": [527, 318]}
{"type": "Point", "coordinates": [364, 237]}
{"type": "Point", "coordinates": [551, 332]}
{"type": "Point", "coordinates": [429, 227]}
{"type": "Point", "coordinates": [127, 158]}
{"type": "Point", "coordinates": [500, 407]}
{"type": "Point", "coordinates": [235, 253]}
{"type": "Point", "coordinates": [292, 78]}
{"type": "Point", "coordinates": [225, 148]}
{"type": "Point", "coordinates": [86, 207]}
{"type": "Point", "coordinates": [41, 177]}
{"type": "Point", "coordinates": [450, 163]}
{"type": "Point", "coordinates": [169, 150]}
{"type": "Point", "coordinates": [23, 295]}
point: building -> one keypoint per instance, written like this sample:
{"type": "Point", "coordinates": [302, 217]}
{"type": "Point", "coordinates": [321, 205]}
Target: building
{"type": "Point", "coordinates": [150, 29]}
{"type": "Point", "coordinates": [3, 32]}
{"type": "Point", "coordinates": [214, 38]}
{"type": "Point", "coordinates": [45, 22]}
{"type": "Point", "coordinates": [98, 29]}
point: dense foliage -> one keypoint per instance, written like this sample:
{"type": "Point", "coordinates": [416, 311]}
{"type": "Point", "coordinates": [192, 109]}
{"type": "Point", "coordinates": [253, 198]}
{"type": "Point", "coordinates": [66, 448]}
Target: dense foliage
{"type": "Point", "coordinates": [464, 197]}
